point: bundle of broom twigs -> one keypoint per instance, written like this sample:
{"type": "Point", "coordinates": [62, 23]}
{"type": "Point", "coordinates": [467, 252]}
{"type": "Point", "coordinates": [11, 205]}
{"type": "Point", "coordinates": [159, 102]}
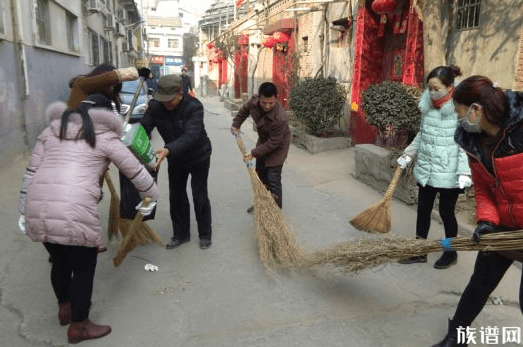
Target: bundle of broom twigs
{"type": "Point", "coordinates": [354, 256]}
{"type": "Point", "coordinates": [276, 243]}
{"type": "Point", "coordinates": [138, 233]}
{"type": "Point", "coordinates": [376, 219]}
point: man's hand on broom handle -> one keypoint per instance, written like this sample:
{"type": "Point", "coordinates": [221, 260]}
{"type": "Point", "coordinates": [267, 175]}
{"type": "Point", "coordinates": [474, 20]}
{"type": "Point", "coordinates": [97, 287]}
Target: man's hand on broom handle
{"type": "Point", "coordinates": [247, 157]}
{"type": "Point", "coordinates": [160, 155]}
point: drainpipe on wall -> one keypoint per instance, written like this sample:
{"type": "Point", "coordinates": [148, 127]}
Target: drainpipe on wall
{"type": "Point", "coordinates": [21, 61]}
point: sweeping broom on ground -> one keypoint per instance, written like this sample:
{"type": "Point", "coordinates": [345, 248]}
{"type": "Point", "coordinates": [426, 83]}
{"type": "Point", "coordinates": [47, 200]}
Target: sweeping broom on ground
{"type": "Point", "coordinates": [377, 217]}
{"type": "Point", "coordinates": [276, 243]}
{"type": "Point", "coordinates": [354, 256]}
{"type": "Point", "coordinates": [138, 233]}
{"type": "Point", "coordinates": [114, 213]}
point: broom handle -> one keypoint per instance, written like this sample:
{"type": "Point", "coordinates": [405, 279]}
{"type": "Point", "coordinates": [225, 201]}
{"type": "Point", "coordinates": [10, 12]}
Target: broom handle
{"type": "Point", "coordinates": [393, 183]}
{"type": "Point", "coordinates": [240, 143]}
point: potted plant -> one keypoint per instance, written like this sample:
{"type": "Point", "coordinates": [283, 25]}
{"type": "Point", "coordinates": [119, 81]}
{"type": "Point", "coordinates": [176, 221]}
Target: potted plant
{"type": "Point", "coordinates": [317, 103]}
{"type": "Point", "coordinates": [392, 108]}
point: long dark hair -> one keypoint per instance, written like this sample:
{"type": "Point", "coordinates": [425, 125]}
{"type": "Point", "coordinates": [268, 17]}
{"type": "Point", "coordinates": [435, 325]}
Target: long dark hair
{"type": "Point", "coordinates": [87, 130]}
{"type": "Point", "coordinates": [480, 90]}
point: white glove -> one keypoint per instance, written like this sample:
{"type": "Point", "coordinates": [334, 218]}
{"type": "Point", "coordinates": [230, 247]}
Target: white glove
{"type": "Point", "coordinates": [464, 181]}
{"type": "Point", "coordinates": [21, 224]}
{"type": "Point", "coordinates": [404, 161]}
{"type": "Point", "coordinates": [151, 267]}
{"type": "Point", "coordinates": [146, 210]}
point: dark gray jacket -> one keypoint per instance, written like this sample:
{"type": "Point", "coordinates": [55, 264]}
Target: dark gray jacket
{"type": "Point", "coordinates": [182, 130]}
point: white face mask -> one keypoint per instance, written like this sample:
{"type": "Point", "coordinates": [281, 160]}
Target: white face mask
{"type": "Point", "coordinates": [467, 125]}
{"type": "Point", "coordinates": [438, 95]}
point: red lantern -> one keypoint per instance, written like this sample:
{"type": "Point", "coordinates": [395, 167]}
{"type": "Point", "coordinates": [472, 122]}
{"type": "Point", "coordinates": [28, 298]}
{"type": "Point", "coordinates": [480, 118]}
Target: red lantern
{"type": "Point", "coordinates": [268, 42]}
{"type": "Point", "coordinates": [280, 37]}
{"type": "Point", "coordinates": [210, 45]}
{"type": "Point", "coordinates": [384, 6]}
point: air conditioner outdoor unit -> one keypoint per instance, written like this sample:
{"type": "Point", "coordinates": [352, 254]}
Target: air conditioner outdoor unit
{"type": "Point", "coordinates": [92, 6]}
{"type": "Point", "coordinates": [111, 22]}
{"type": "Point", "coordinates": [120, 29]}
{"type": "Point", "coordinates": [122, 14]}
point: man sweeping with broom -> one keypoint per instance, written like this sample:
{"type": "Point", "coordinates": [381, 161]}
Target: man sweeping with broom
{"type": "Point", "coordinates": [274, 137]}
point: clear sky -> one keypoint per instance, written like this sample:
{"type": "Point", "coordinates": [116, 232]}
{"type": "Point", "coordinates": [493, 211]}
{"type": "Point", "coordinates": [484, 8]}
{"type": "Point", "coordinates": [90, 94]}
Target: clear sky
{"type": "Point", "coordinates": [199, 5]}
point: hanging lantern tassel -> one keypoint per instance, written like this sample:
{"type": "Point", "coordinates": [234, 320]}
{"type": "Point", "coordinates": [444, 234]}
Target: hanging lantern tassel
{"type": "Point", "coordinates": [383, 22]}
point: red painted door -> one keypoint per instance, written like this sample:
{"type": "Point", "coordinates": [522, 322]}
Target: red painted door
{"type": "Point", "coordinates": [282, 70]}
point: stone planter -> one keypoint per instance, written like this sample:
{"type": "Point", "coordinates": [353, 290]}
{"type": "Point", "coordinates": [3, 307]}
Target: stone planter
{"type": "Point", "coordinates": [313, 144]}
{"type": "Point", "coordinates": [375, 168]}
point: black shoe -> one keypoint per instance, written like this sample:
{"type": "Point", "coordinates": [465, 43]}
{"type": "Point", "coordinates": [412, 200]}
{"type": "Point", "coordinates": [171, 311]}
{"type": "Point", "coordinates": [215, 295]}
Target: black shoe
{"type": "Point", "coordinates": [448, 258]}
{"type": "Point", "coordinates": [413, 260]}
{"type": "Point", "coordinates": [250, 209]}
{"type": "Point", "coordinates": [451, 340]}
{"type": "Point", "coordinates": [205, 243]}
{"type": "Point", "coordinates": [176, 242]}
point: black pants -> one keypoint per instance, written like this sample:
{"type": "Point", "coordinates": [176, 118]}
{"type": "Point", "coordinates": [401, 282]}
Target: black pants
{"type": "Point", "coordinates": [271, 178]}
{"type": "Point", "coordinates": [179, 201]}
{"type": "Point", "coordinates": [72, 276]}
{"type": "Point", "coordinates": [489, 269]}
{"type": "Point", "coordinates": [447, 204]}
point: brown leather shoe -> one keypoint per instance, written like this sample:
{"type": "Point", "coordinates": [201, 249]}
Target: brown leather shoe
{"type": "Point", "coordinates": [64, 313]}
{"type": "Point", "coordinates": [86, 330]}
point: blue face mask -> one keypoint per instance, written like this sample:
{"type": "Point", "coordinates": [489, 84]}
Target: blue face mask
{"type": "Point", "coordinates": [467, 125]}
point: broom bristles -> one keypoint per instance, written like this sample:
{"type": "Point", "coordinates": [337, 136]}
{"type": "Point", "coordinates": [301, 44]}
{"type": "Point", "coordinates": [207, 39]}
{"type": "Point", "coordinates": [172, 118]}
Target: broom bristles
{"type": "Point", "coordinates": [354, 256]}
{"type": "Point", "coordinates": [276, 244]}
{"type": "Point", "coordinates": [377, 218]}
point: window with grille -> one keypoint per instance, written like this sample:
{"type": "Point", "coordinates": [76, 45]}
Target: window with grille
{"type": "Point", "coordinates": [305, 42]}
{"type": "Point", "coordinates": [172, 43]}
{"type": "Point", "coordinates": [42, 21]}
{"type": "Point", "coordinates": [468, 14]}
{"type": "Point", "coordinates": [154, 42]}
{"type": "Point", "coordinates": [106, 52]}
{"type": "Point", "coordinates": [72, 31]}
{"type": "Point", "coordinates": [94, 51]}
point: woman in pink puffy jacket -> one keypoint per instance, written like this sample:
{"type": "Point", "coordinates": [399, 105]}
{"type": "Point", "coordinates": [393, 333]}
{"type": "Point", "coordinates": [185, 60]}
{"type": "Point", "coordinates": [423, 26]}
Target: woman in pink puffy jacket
{"type": "Point", "coordinates": [60, 195]}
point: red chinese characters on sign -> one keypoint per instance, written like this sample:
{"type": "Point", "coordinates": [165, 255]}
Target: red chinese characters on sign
{"type": "Point", "coordinates": [157, 59]}
{"type": "Point", "coordinates": [239, 2]}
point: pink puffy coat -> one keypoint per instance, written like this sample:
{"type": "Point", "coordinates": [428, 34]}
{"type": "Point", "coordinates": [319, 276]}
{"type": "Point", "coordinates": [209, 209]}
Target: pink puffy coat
{"type": "Point", "coordinates": [63, 179]}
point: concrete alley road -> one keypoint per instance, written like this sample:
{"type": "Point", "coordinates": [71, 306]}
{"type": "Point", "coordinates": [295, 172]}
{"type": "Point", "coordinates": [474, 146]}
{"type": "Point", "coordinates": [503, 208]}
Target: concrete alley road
{"type": "Point", "coordinates": [222, 296]}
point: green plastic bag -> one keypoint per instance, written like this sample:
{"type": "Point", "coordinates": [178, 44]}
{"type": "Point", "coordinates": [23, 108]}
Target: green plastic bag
{"type": "Point", "coordinates": [135, 138]}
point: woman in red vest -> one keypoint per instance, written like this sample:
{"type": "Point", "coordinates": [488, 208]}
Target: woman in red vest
{"type": "Point", "coordinates": [491, 133]}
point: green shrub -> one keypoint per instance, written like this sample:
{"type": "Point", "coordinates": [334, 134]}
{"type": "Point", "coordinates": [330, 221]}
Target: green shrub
{"type": "Point", "coordinates": [317, 103]}
{"type": "Point", "coordinates": [392, 104]}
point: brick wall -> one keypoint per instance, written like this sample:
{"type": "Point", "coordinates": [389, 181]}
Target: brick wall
{"type": "Point", "coordinates": [306, 29]}
{"type": "Point", "coordinates": [519, 65]}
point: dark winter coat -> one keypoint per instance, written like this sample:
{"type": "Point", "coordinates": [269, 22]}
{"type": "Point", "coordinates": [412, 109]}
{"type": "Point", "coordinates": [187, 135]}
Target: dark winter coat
{"type": "Point", "coordinates": [274, 134]}
{"type": "Point", "coordinates": [182, 130]}
{"type": "Point", "coordinates": [498, 182]}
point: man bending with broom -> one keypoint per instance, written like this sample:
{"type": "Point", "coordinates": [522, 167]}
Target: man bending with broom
{"type": "Point", "coordinates": [274, 137]}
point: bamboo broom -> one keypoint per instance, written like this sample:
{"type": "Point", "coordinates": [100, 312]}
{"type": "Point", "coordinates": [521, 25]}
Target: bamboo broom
{"type": "Point", "coordinates": [138, 233]}
{"type": "Point", "coordinates": [276, 243]}
{"type": "Point", "coordinates": [114, 213]}
{"type": "Point", "coordinates": [354, 256]}
{"type": "Point", "coordinates": [377, 217]}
